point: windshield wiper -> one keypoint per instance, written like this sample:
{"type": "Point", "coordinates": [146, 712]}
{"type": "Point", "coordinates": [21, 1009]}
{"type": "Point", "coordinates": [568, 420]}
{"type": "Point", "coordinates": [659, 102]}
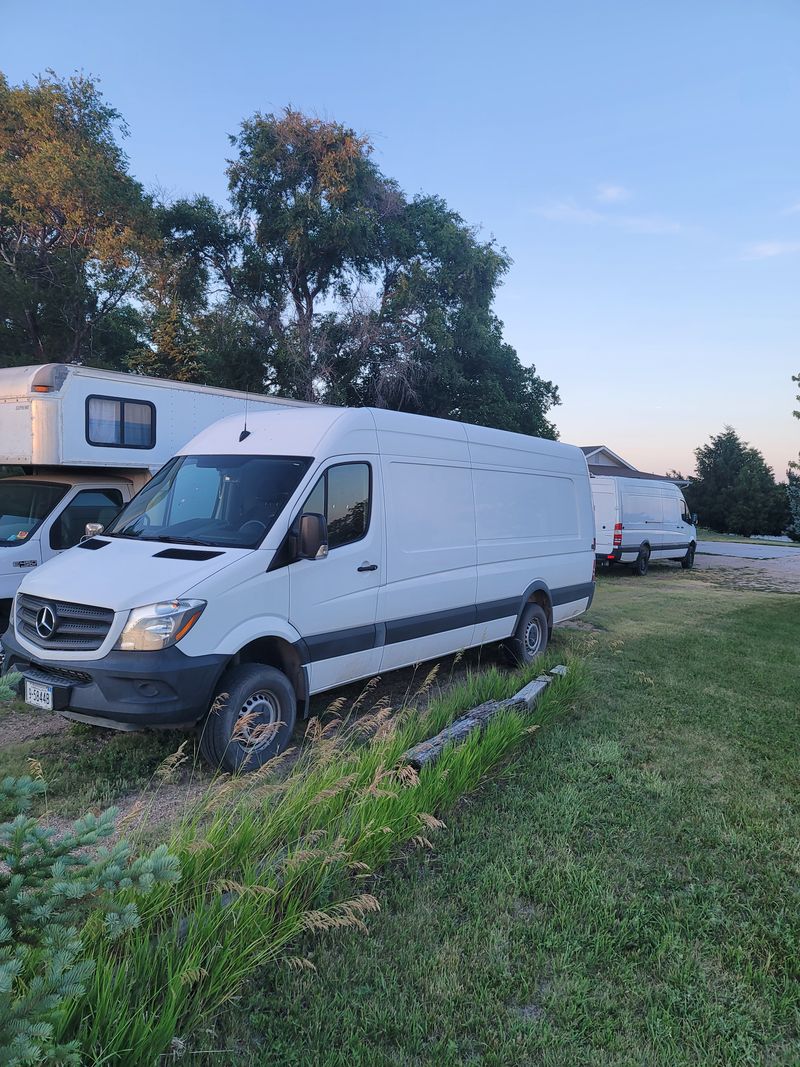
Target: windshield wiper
{"type": "Point", "coordinates": [178, 540]}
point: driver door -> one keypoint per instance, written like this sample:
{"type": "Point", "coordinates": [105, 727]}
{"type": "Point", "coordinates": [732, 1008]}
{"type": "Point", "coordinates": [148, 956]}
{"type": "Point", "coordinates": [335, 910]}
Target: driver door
{"type": "Point", "coordinates": [333, 602]}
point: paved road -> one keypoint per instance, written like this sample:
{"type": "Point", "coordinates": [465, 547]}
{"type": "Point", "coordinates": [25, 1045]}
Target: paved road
{"type": "Point", "coordinates": [741, 551]}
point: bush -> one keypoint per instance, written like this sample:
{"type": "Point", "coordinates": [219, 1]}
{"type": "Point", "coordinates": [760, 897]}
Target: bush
{"type": "Point", "coordinates": [49, 886]}
{"type": "Point", "coordinates": [8, 686]}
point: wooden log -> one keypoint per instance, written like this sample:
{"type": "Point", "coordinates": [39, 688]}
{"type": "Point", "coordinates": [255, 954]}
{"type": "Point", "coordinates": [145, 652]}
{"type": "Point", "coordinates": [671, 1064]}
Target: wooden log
{"type": "Point", "coordinates": [427, 752]}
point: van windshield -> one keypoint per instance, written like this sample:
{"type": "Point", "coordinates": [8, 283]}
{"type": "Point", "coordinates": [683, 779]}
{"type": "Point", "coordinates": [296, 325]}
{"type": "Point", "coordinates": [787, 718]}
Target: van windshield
{"type": "Point", "coordinates": [226, 501]}
{"type": "Point", "coordinates": [23, 508]}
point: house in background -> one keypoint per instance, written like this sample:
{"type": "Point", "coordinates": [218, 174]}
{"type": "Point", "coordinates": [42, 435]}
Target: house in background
{"type": "Point", "coordinates": [602, 461]}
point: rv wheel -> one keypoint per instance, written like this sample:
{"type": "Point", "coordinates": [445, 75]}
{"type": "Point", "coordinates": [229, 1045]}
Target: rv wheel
{"type": "Point", "coordinates": [251, 718]}
{"type": "Point", "coordinates": [642, 562]}
{"type": "Point", "coordinates": [688, 560]}
{"type": "Point", "coordinates": [530, 637]}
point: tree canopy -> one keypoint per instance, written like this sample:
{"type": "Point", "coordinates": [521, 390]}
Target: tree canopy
{"type": "Point", "coordinates": [734, 490]}
{"type": "Point", "coordinates": [75, 227]}
{"type": "Point", "coordinates": [319, 279]}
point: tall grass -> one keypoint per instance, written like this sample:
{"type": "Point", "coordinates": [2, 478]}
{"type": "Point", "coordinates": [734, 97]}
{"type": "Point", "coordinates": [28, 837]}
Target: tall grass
{"type": "Point", "coordinates": [269, 856]}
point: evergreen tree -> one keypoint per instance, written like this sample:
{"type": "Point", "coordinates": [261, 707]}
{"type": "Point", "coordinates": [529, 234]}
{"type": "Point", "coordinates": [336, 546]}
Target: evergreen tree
{"type": "Point", "coordinates": [49, 884]}
{"type": "Point", "coordinates": [734, 490]}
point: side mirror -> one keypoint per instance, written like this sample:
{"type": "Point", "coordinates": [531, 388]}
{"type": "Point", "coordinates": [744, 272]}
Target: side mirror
{"type": "Point", "coordinates": [694, 518]}
{"type": "Point", "coordinates": [92, 529]}
{"type": "Point", "coordinates": [312, 537]}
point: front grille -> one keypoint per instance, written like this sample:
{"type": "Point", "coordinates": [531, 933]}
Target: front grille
{"type": "Point", "coordinates": [38, 672]}
{"type": "Point", "coordinates": [76, 627]}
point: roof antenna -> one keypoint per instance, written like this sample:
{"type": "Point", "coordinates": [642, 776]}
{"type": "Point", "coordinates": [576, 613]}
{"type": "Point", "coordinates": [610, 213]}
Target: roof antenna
{"type": "Point", "coordinates": [245, 432]}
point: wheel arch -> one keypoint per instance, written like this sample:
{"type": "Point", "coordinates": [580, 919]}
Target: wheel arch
{"type": "Point", "coordinates": [286, 657]}
{"type": "Point", "coordinates": [537, 592]}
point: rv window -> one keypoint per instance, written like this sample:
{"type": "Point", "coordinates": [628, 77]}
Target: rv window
{"type": "Point", "coordinates": [90, 505]}
{"type": "Point", "coordinates": [342, 495]}
{"type": "Point", "coordinates": [119, 423]}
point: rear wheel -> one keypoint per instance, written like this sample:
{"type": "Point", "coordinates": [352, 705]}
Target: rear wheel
{"type": "Point", "coordinates": [688, 560]}
{"type": "Point", "coordinates": [642, 562]}
{"type": "Point", "coordinates": [530, 637]}
{"type": "Point", "coordinates": [251, 719]}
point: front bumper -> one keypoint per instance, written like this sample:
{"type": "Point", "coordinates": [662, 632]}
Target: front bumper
{"type": "Point", "coordinates": [124, 689]}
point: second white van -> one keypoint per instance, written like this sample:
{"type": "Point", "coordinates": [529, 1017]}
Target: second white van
{"type": "Point", "coordinates": [639, 520]}
{"type": "Point", "coordinates": [313, 548]}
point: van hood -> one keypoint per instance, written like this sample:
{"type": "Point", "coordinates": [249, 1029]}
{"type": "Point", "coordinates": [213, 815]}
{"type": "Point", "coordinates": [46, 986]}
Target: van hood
{"type": "Point", "coordinates": [121, 574]}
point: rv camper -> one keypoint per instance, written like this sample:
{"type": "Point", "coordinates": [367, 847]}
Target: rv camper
{"type": "Point", "coordinates": [82, 442]}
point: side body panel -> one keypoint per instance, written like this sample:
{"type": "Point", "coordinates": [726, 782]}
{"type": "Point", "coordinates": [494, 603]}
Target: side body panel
{"type": "Point", "coordinates": [534, 523]}
{"type": "Point", "coordinates": [428, 597]}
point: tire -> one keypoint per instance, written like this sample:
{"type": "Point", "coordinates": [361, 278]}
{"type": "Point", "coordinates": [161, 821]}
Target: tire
{"type": "Point", "coordinates": [530, 637]}
{"type": "Point", "coordinates": [248, 687]}
{"type": "Point", "coordinates": [642, 562]}
{"type": "Point", "coordinates": [688, 560]}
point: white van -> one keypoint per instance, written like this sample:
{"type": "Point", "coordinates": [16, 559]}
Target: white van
{"type": "Point", "coordinates": [639, 520]}
{"type": "Point", "coordinates": [83, 441]}
{"type": "Point", "coordinates": [323, 546]}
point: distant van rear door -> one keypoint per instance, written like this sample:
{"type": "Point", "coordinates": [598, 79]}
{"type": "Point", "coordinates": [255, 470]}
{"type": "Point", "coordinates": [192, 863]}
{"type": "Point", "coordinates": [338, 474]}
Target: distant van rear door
{"type": "Point", "coordinates": [604, 497]}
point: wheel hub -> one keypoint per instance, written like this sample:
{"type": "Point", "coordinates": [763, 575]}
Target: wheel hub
{"type": "Point", "coordinates": [252, 728]}
{"type": "Point", "coordinates": [533, 637]}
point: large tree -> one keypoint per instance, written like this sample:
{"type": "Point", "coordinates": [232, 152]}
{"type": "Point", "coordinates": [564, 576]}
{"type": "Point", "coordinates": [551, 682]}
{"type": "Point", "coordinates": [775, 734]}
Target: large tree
{"type": "Point", "coordinates": [734, 490]}
{"type": "Point", "coordinates": [352, 293]}
{"type": "Point", "coordinates": [423, 337]}
{"type": "Point", "coordinates": [74, 224]}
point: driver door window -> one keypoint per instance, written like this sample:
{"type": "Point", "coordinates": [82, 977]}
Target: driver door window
{"type": "Point", "coordinates": [343, 496]}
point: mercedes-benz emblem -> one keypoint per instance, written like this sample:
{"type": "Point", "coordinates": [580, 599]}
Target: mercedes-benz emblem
{"type": "Point", "coordinates": [45, 622]}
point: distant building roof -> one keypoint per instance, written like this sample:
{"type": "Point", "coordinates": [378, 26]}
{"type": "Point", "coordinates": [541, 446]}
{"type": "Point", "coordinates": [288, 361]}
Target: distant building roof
{"type": "Point", "coordinates": [602, 455]}
{"type": "Point", "coordinates": [605, 463]}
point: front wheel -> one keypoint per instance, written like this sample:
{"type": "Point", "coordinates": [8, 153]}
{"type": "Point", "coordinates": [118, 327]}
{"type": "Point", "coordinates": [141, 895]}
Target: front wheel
{"type": "Point", "coordinates": [530, 637]}
{"type": "Point", "coordinates": [688, 560]}
{"type": "Point", "coordinates": [642, 562]}
{"type": "Point", "coordinates": [251, 719]}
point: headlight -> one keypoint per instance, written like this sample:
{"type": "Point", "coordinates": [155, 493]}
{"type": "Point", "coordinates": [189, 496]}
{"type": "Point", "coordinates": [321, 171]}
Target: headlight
{"type": "Point", "coordinates": [159, 625]}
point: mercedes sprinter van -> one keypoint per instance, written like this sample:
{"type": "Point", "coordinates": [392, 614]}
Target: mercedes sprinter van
{"type": "Point", "coordinates": [314, 547]}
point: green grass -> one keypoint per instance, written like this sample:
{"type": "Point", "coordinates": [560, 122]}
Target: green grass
{"type": "Point", "coordinates": [704, 534]}
{"type": "Point", "coordinates": [629, 894]}
{"type": "Point", "coordinates": [270, 856]}
{"type": "Point", "coordinates": [87, 768]}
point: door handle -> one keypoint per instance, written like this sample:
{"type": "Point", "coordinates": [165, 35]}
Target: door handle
{"type": "Point", "coordinates": [368, 567]}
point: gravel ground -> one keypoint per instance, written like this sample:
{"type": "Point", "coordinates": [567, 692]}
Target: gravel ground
{"type": "Point", "coordinates": [780, 575]}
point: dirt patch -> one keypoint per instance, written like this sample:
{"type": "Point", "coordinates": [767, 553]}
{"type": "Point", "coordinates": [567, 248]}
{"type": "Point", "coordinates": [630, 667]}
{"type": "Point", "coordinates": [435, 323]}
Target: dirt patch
{"type": "Point", "coordinates": [760, 575]}
{"type": "Point", "coordinates": [581, 625]}
{"type": "Point", "coordinates": [19, 726]}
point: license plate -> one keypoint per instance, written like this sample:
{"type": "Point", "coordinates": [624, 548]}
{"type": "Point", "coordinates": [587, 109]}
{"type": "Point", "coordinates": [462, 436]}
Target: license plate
{"type": "Point", "coordinates": [39, 696]}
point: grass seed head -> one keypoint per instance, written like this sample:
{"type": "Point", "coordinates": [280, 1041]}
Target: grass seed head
{"type": "Point", "coordinates": [168, 767]}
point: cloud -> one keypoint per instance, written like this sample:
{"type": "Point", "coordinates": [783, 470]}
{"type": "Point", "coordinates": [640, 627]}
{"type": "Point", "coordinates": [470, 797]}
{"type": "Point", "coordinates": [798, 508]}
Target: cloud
{"type": "Point", "coordinates": [572, 212]}
{"type": "Point", "coordinates": [770, 249]}
{"type": "Point", "coordinates": [569, 211]}
{"type": "Point", "coordinates": [612, 194]}
{"type": "Point", "coordinates": [794, 209]}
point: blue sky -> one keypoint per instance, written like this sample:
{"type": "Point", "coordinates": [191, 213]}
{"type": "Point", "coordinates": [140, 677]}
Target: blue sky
{"type": "Point", "coordinates": [639, 161]}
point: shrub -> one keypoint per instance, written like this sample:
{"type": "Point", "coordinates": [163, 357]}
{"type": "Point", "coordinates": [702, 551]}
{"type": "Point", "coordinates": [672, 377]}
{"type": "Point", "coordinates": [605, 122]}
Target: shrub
{"type": "Point", "coordinates": [49, 886]}
{"type": "Point", "coordinates": [8, 686]}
